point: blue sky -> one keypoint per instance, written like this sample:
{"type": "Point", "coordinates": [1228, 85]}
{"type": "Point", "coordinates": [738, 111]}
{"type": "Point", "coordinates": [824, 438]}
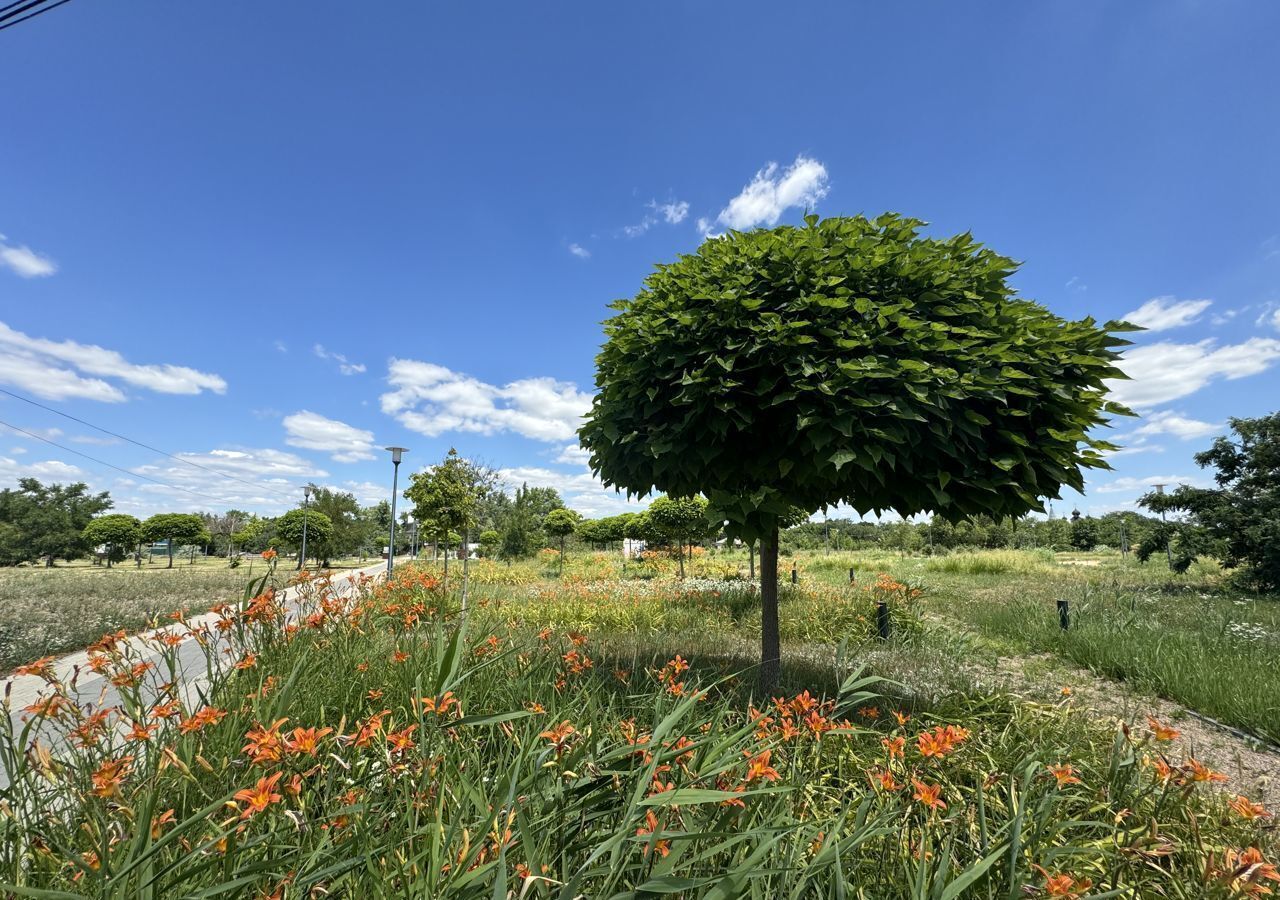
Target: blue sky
{"type": "Point", "coordinates": [274, 237]}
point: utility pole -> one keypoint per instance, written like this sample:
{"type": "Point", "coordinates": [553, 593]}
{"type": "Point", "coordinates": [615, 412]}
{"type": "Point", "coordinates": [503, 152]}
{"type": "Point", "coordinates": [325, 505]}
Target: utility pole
{"type": "Point", "coordinates": [1168, 552]}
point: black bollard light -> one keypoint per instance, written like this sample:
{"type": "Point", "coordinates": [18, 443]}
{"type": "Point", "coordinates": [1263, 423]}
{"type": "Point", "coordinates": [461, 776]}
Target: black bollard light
{"type": "Point", "coordinates": [1064, 614]}
{"type": "Point", "coordinates": [882, 620]}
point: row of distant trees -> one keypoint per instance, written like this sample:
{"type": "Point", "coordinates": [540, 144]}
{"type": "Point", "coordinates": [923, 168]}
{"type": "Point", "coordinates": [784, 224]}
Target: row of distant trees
{"type": "Point", "coordinates": [45, 523]}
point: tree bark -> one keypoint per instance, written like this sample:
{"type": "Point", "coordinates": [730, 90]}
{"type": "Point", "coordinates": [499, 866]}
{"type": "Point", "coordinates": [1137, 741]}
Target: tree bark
{"type": "Point", "coordinates": [770, 649]}
{"type": "Point", "coordinates": [466, 557]}
{"type": "Point", "coordinates": [170, 548]}
{"type": "Point", "coordinates": [445, 582]}
{"type": "Point", "coordinates": [680, 553]}
{"type": "Point", "coordinates": [751, 560]}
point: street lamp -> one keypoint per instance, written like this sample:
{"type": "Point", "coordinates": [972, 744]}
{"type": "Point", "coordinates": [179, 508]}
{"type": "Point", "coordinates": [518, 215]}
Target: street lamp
{"type": "Point", "coordinates": [1168, 553]}
{"type": "Point", "coordinates": [395, 487]}
{"type": "Point", "coordinates": [306, 500]}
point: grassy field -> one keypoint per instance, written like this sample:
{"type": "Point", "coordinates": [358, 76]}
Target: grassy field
{"type": "Point", "coordinates": [588, 739]}
{"type": "Point", "coordinates": [48, 611]}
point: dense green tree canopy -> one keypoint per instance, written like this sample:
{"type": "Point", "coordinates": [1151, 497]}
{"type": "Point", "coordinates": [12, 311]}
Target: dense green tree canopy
{"type": "Point", "coordinates": [447, 496]}
{"type": "Point", "coordinates": [176, 528]}
{"type": "Point", "coordinates": [850, 361]}
{"type": "Point", "coordinates": [319, 531]}
{"type": "Point", "coordinates": [560, 523]}
{"type": "Point", "coordinates": [1240, 518]}
{"type": "Point", "coordinates": [681, 519]}
{"type": "Point", "coordinates": [119, 532]}
{"type": "Point", "coordinates": [39, 521]}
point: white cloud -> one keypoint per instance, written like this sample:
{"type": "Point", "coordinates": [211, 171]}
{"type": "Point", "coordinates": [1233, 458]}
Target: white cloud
{"type": "Point", "coordinates": [1144, 484]}
{"type": "Point", "coordinates": [579, 251]}
{"type": "Point", "coordinates": [1076, 284]}
{"type": "Point", "coordinates": [25, 262]}
{"type": "Point", "coordinates": [674, 212]}
{"type": "Point", "coordinates": [37, 366]}
{"type": "Point", "coordinates": [771, 193]}
{"type": "Point", "coordinates": [281, 346]}
{"type": "Point", "coordinates": [344, 366]}
{"type": "Point", "coordinates": [45, 470]}
{"type": "Point", "coordinates": [1167, 371]}
{"type": "Point", "coordinates": [344, 443]}
{"type": "Point", "coordinates": [1174, 423]}
{"type": "Point", "coordinates": [1275, 320]}
{"type": "Point", "coordinates": [274, 478]}
{"type": "Point", "coordinates": [574, 455]}
{"type": "Point", "coordinates": [1163, 313]}
{"type": "Point", "coordinates": [94, 440]}
{"type": "Point", "coordinates": [581, 491]}
{"type": "Point", "coordinates": [432, 400]}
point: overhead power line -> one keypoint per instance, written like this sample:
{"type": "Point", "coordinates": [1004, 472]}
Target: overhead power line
{"type": "Point", "coordinates": [184, 461]}
{"type": "Point", "coordinates": [103, 462]}
{"type": "Point", "coordinates": [13, 14]}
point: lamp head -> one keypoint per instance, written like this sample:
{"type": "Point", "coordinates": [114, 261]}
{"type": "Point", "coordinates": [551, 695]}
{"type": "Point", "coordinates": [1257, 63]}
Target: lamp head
{"type": "Point", "coordinates": [306, 492]}
{"type": "Point", "coordinates": [396, 452]}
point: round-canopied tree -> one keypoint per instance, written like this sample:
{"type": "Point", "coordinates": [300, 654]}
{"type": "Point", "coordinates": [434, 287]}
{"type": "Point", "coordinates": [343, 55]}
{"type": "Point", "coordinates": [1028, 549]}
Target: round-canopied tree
{"type": "Point", "coordinates": [681, 519]}
{"type": "Point", "coordinates": [561, 523]}
{"type": "Point", "coordinates": [319, 529]}
{"type": "Point", "coordinates": [848, 361]}
{"type": "Point", "coordinates": [119, 532]}
{"type": "Point", "coordinates": [174, 528]}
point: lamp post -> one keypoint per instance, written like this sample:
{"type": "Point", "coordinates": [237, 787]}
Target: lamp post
{"type": "Point", "coordinates": [396, 453]}
{"type": "Point", "coordinates": [306, 501]}
{"type": "Point", "coordinates": [1168, 553]}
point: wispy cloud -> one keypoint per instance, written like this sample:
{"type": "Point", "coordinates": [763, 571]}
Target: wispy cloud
{"type": "Point", "coordinates": [343, 442]}
{"type": "Point", "coordinates": [771, 193]}
{"type": "Point", "coordinates": [57, 370]}
{"type": "Point", "coordinates": [1142, 484]}
{"type": "Point", "coordinates": [432, 400]}
{"type": "Point", "coordinates": [1167, 371]}
{"type": "Point", "coordinates": [25, 262]}
{"type": "Point", "coordinates": [345, 366]}
{"type": "Point", "coordinates": [673, 212]}
{"type": "Point", "coordinates": [579, 251]}
{"type": "Point", "coordinates": [1163, 313]}
{"type": "Point", "coordinates": [1176, 424]}
{"type": "Point", "coordinates": [581, 491]}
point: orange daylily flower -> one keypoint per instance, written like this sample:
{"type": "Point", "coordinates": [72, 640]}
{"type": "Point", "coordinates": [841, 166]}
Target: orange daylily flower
{"type": "Point", "coordinates": [895, 746]}
{"type": "Point", "coordinates": [928, 794]}
{"type": "Point", "coordinates": [110, 775]}
{"type": "Point", "coordinates": [260, 796]}
{"type": "Point", "coordinates": [305, 740]}
{"type": "Point", "coordinates": [758, 766]}
{"type": "Point", "coordinates": [1247, 809]}
{"type": "Point", "coordinates": [202, 719]}
{"type": "Point", "coordinates": [1065, 774]}
{"type": "Point", "coordinates": [1160, 731]}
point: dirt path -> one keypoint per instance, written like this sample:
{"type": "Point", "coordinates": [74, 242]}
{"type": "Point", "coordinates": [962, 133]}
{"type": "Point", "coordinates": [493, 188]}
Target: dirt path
{"type": "Point", "coordinates": [1253, 767]}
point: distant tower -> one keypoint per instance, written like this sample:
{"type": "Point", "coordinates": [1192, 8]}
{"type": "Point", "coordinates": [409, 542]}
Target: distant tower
{"type": "Point", "coordinates": [1075, 515]}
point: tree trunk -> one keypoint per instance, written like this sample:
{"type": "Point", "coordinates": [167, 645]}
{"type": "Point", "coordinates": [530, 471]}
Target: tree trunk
{"type": "Point", "coordinates": [170, 548]}
{"type": "Point", "coordinates": [751, 558]}
{"type": "Point", "coordinates": [680, 553]}
{"type": "Point", "coordinates": [445, 582]}
{"type": "Point", "coordinates": [110, 552]}
{"type": "Point", "coordinates": [466, 556]}
{"type": "Point", "coordinates": [562, 556]}
{"type": "Point", "coordinates": [770, 651]}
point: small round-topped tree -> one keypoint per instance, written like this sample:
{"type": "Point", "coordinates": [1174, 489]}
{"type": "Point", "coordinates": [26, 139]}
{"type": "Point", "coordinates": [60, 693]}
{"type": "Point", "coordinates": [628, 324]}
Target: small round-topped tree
{"type": "Point", "coordinates": [849, 361]}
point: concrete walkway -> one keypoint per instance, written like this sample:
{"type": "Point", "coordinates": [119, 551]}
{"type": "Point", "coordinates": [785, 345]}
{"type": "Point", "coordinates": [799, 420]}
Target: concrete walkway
{"type": "Point", "coordinates": [96, 691]}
